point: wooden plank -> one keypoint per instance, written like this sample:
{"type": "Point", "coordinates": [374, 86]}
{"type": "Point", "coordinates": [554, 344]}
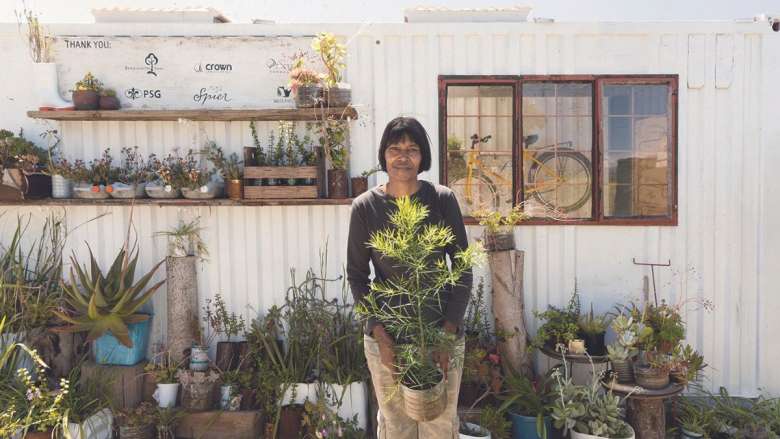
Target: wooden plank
{"type": "Point", "coordinates": [280, 172]}
{"type": "Point", "coordinates": [126, 382]}
{"type": "Point", "coordinates": [262, 114]}
{"type": "Point", "coordinates": [220, 425]}
{"type": "Point", "coordinates": [264, 192]}
{"type": "Point", "coordinates": [183, 202]}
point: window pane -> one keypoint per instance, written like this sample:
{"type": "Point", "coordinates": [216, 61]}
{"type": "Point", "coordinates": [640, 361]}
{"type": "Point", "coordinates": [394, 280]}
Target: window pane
{"type": "Point", "coordinates": [479, 144]}
{"type": "Point", "coordinates": [637, 174]}
{"type": "Point", "coordinates": [558, 148]}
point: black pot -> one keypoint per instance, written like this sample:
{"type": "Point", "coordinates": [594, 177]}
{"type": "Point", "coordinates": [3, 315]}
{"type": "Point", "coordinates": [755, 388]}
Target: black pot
{"type": "Point", "coordinates": [86, 99]}
{"type": "Point", "coordinates": [109, 103]}
{"type": "Point", "coordinates": [229, 354]}
{"type": "Point", "coordinates": [38, 186]}
{"type": "Point", "coordinates": [594, 343]}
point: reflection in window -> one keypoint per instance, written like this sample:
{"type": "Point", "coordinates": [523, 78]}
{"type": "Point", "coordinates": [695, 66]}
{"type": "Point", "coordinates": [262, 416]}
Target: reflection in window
{"type": "Point", "coordinates": [558, 147]}
{"type": "Point", "coordinates": [479, 146]}
{"type": "Point", "coordinates": [637, 143]}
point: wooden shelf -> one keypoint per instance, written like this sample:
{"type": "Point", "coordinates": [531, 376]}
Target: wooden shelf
{"type": "Point", "coordinates": [178, 202]}
{"type": "Point", "coordinates": [265, 114]}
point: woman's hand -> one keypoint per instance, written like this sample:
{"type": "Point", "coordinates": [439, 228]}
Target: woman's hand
{"type": "Point", "coordinates": [386, 347]}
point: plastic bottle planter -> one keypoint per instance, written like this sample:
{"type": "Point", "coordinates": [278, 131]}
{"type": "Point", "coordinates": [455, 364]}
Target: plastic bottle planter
{"type": "Point", "coordinates": [135, 190]}
{"type": "Point", "coordinates": [61, 187]}
{"type": "Point", "coordinates": [166, 394]}
{"type": "Point", "coordinates": [162, 191]}
{"type": "Point", "coordinates": [199, 358]}
{"type": "Point", "coordinates": [524, 427]}
{"type": "Point", "coordinates": [90, 192]}
{"type": "Point", "coordinates": [229, 399]}
{"type": "Point", "coordinates": [108, 350]}
{"type": "Point", "coordinates": [473, 431]}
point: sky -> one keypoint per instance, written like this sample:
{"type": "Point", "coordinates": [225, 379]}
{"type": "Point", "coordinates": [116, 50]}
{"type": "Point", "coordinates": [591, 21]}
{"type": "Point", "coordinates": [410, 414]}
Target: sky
{"type": "Point", "coordinates": [383, 11]}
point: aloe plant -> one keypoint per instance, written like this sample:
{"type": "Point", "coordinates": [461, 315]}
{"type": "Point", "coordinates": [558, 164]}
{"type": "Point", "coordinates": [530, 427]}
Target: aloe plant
{"type": "Point", "coordinates": [109, 302]}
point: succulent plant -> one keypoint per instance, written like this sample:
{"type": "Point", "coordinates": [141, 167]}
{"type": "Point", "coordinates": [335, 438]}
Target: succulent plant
{"type": "Point", "coordinates": [101, 303]}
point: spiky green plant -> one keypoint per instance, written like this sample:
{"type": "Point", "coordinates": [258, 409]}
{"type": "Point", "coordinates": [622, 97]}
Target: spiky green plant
{"type": "Point", "coordinates": [413, 245]}
{"type": "Point", "coordinates": [107, 302]}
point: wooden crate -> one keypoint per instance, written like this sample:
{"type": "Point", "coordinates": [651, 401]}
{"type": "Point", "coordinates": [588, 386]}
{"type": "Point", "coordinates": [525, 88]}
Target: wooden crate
{"type": "Point", "coordinates": [279, 172]}
{"type": "Point", "coordinates": [126, 383]}
{"type": "Point", "coordinates": [220, 425]}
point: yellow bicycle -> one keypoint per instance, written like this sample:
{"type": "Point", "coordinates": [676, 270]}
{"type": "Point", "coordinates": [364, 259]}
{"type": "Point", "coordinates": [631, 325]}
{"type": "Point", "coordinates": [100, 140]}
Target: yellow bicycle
{"type": "Point", "coordinates": [552, 167]}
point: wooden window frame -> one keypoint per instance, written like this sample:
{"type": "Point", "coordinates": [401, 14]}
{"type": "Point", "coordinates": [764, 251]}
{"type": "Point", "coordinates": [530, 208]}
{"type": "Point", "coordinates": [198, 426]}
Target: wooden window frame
{"type": "Point", "coordinates": [597, 82]}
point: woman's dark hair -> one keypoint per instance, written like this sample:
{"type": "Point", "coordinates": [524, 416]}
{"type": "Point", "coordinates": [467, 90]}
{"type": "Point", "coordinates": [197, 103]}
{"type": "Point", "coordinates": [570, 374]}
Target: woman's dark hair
{"type": "Point", "coordinates": [406, 127]}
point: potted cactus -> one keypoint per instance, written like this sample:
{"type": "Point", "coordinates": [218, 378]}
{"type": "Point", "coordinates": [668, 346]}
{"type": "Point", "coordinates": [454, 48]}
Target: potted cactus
{"type": "Point", "coordinates": [86, 93]}
{"type": "Point", "coordinates": [106, 305]}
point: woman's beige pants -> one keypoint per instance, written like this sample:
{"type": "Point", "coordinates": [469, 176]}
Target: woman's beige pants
{"type": "Point", "coordinates": [392, 422]}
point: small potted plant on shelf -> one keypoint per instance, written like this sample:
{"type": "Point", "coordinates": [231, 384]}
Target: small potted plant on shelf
{"type": "Point", "coordinates": [108, 99]}
{"type": "Point", "coordinates": [96, 178]}
{"type": "Point", "coordinates": [86, 93]}
{"type": "Point", "coordinates": [163, 368]}
{"type": "Point", "coordinates": [166, 420]}
{"type": "Point", "coordinates": [593, 328]}
{"type": "Point", "coordinates": [197, 179]}
{"type": "Point", "coordinates": [131, 176]}
{"type": "Point", "coordinates": [106, 305]}
{"type": "Point", "coordinates": [62, 177]}
{"type": "Point", "coordinates": [305, 85]}
{"type": "Point", "coordinates": [229, 168]}
{"type": "Point", "coordinates": [360, 184]}
{"type": "Point", "coordinates": [333, 139]}
{"type": "Point", "coordinates": [170, 176]}
{"type": "Point", "coordinates": [197, 388]}
{"type": "Point", "coordinates": [661, 329]}
{"type": "Point", "coordinates": [229, 325]}
{"type": "Point", "coordinates": [420, 381]}
{"type": "Point", "coordinates": [137, 422]}
{"type": "Point", "coordinates": [332, 53]}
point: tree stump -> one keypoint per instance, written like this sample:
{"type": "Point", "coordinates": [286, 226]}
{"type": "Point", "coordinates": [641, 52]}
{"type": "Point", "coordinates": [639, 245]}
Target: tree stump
{"type": "Point", "coordinates": [182, 313]}
{"type": "Point", "coordinates": [648, 418]}
{"type": "Point", "coordinates": [508, 309]}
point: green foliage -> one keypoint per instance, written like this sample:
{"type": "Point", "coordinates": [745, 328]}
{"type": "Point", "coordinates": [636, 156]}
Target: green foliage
{"type": "Point", "coordinates": [169, 170]}
{"type": "Point", "coordinates": [332, 54]}
{"type": "Point", "coordinates": [660, 327]}
{"type": "Point", "coordinates": [494, 420]}
{"type": "Point", "coordinates": [100, 171]}
{"type": "Point", "coordinates": [412, 245]}
{"type": "Point", "coordinates": [495, 222]}
{"type": "Point", "coordinates": [593, 324]}
{"type": "Point", "coordinates": [220, 320]}
{"type": "Point", "coordinates": [141, 416]}
{"type": "Point", "coordinates": [326, 423]}
{"type": "Point", "coordinates": [18, 152]}
{"type": "Point", "coordinates": [89, 82]}
{"type": "Point", "coordinates": [560, 325]}
{"type": "Point", "coordinates": [107, 302]}
{"type": "Point", "coordinates": [163, 368]}
{"type": "Point", "coordinates": [185, 239]}
{"type": "Point", "coordinates": [333, 139]}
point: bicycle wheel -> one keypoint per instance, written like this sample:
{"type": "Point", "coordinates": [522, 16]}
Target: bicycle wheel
{"type": "Point", "coordinates": [484, 194]}
{"type": "Point", "coordinates": [566, 165]}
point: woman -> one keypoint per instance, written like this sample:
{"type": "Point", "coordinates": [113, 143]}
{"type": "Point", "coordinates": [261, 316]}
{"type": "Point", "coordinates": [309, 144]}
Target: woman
{"type": "Point", "coordinates": [405, 152]}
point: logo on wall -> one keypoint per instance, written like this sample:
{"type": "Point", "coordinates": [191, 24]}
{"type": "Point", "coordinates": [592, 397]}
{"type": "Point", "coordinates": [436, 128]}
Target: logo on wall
{"type": "Point", "coordinates": [151, 65]}
{"type": "Point", "coordinates": [151, 61]}
{"type": "Point", "coordinates": [213, 68]}
{"type": "Point", "coordinates": [134, 93]}
{"type": "Point", "coordinates": [283, 91]}
{"type": "Point", "coordinates": [211, 94]}
{"type": "Point", "coordinates": [283, 63]}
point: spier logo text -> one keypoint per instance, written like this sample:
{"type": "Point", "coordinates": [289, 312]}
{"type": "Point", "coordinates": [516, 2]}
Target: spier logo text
{"type": "Point", "coordinates": [212, 67]}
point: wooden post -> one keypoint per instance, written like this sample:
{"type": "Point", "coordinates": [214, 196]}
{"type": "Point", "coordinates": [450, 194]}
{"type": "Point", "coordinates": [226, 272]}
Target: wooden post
{"type": "Point", "coordinates": [182, 288]}
{"type": "Point", "coordinates": [507, 275]}
{"type": "Point", "coordinates": [125, 383]}
{"type": "Point", "coordinates": [648, 418]}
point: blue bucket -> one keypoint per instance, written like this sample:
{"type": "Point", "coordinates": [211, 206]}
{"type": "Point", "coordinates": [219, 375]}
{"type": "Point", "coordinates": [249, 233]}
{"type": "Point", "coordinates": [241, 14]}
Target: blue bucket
{"type": "Point", "coordinates": [524, 427]}
{"type": "Point", "coordinates": [108, 350]}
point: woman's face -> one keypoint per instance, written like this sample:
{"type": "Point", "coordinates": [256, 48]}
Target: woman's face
{"type": "Point", "coordinates": [403, 160]}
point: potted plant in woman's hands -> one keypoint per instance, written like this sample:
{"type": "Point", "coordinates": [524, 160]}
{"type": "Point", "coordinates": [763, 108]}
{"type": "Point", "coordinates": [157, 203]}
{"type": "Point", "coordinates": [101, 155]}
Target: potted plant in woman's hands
{"type": "Point", "coordinates": [593, 328]}
{"type": "Point", "coordinates": [106, 305]}
{"type": "Point", "coordinates": [305, 85]}
{"type": "Point", "coordinates": [163, 368]}
{"type": "Point", "coordinates": [86, 93]}
{"type": "Point", "coordinates": [332, 53]}
{"type": "Point", "coordinates": [529, 404]}
{"type": "Point", "coordinates": [411, 244]}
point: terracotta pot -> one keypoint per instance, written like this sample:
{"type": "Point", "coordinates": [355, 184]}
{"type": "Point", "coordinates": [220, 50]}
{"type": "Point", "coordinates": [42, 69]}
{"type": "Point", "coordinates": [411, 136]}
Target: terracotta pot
{"type": "Point", "coordinates": [359, 185]}
{"type": "Point", "coordinates": [109, 103]}
{"type": "Point", "coordinates": [235, 189]}
{"type": "Point", "coordinates": [86, 100]}
{"type": "Point", "coordinates": [337, 183]}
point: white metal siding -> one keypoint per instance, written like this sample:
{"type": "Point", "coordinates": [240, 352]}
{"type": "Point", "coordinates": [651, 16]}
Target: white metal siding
{"type": "Point", "coordinates": [722, 249]}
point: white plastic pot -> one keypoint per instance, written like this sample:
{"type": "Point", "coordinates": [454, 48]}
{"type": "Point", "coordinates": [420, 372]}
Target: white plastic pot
{"type": "Point", "coordinates": [165, 394]}
{"type": "Point", "coordinates": [575, 435]}
{"type": "Point", "coordinates": [485, 435]}
{"type": "Point", "coordinates": [97, 426]}
{"type": "Point", "coordinates": [46, 85]}
{"type": "Point", "coordinates": [353, 398]}
{"type": "Point", "coordinates": [302, 391]}
{"type": "Point", "coordinates": [689, 434]}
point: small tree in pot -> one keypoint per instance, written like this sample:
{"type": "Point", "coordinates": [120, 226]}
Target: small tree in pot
{"type": "Point", "coordinates": [412, 244]}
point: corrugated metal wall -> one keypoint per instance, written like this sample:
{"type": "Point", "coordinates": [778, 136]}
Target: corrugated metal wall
{"type": "Point", "coordinates": [721, 250]}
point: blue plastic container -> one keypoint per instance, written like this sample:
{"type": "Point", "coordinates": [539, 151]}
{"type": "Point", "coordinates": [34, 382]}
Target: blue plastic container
{"type": "Point", "coordinates": [108, 350]}
{"type": "Point", "coordinates": [524, 427]}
